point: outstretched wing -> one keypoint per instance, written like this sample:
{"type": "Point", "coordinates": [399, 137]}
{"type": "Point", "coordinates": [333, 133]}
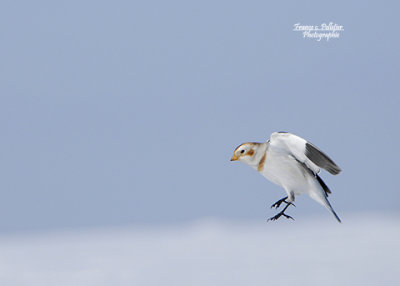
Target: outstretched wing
{"type": "Point", "coordinates": [303, 151]}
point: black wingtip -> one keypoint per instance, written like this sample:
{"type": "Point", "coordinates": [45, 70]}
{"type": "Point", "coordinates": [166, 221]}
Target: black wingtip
{"type": "Point", "coordinates": [321, 160]}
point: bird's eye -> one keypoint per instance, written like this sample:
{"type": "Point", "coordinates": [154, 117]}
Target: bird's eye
{"type": "Point", "coordinates": [242, 151]}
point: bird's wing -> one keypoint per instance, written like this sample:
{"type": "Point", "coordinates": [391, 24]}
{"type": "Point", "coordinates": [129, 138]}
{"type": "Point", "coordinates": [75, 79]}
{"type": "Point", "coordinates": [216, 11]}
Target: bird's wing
{"type": "Point", "coordinates": [303, 151]}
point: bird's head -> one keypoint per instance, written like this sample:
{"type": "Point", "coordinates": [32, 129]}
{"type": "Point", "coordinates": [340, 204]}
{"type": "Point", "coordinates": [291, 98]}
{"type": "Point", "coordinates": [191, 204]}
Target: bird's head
{"type": "Point", "coordinates": [244, 152]}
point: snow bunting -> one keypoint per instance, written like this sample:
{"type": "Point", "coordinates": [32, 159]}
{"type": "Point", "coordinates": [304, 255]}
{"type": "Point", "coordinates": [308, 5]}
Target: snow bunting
{"type": "Point", "coordinates": [292, 163]}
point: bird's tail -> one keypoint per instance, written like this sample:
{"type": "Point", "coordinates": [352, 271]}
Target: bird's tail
{"type": "Point", "coordinates": [321, 197]}
{"type": "Point", "coordinates": [329, 207]}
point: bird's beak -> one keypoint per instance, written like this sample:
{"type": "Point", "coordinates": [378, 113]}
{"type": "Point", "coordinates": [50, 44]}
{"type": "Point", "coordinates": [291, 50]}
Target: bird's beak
{"type": "Point", "coordinates": [234, 158]}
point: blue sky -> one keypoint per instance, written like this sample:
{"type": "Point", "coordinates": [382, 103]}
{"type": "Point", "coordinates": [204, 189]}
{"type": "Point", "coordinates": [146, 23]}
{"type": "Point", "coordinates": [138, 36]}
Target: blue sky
{"type": "Point", "coordinates": [128, 113]}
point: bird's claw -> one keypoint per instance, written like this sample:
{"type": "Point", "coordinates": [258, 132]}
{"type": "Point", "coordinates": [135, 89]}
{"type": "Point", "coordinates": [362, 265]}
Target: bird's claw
{"type": "Point", "coordinates": [279, 215]}
{"type": "Point", "coordinates": [282, 212]}
{"type": "Point", "coordinates": [273, 218]}
{"type": "Point", "coordinates": [277, 204]}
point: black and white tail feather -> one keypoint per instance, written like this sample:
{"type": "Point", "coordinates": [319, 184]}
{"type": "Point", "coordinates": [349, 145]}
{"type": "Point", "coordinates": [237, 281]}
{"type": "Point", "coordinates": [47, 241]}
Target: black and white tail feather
{"type": "Point", "coordinates": [327, 192]}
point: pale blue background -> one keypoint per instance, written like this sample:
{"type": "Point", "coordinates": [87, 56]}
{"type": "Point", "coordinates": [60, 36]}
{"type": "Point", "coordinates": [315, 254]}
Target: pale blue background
{"type": "Point", "coordinates": [127, 112]}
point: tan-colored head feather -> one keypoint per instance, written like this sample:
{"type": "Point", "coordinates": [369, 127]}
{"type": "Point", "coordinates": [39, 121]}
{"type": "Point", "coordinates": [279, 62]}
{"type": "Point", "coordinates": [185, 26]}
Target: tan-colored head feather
{"type": "Point", "coordinates": [250, 152]}
{"type": "Point", "coordinates": [262, 162]}
{"type": "Point", "coordinates": [247, 143]}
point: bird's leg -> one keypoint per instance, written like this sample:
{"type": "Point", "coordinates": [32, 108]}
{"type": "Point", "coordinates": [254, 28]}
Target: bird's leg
{"type": "Point", "coordinates": [278, 203]}
{"type": "Point", "coordinates": [282, 213]}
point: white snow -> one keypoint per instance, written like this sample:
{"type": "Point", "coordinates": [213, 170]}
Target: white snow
{"type": "Point", "coordinates": [363, 250]}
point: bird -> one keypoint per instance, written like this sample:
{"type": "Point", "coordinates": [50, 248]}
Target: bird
{"type": "Point", "coordinates": [292, 163]}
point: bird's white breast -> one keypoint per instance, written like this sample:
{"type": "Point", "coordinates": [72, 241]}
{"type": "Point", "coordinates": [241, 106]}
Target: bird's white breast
{"type": "Point", "coordinates": [282, 169]}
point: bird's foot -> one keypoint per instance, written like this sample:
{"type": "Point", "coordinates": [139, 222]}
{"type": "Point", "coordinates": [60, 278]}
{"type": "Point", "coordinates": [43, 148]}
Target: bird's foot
{"type": "Point", "coordinates": [277, 204]}
{"type": "Point", "coordinates": [279, 215]}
